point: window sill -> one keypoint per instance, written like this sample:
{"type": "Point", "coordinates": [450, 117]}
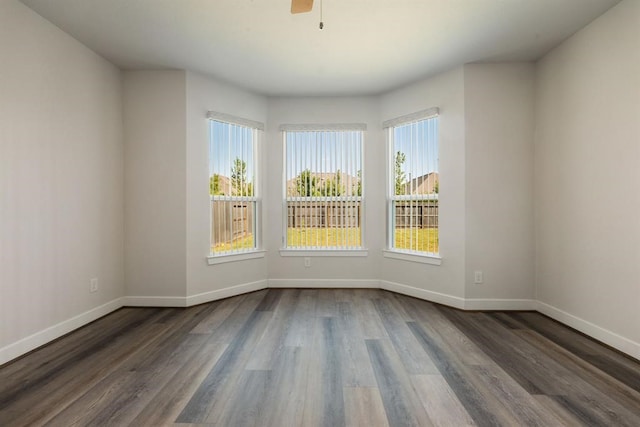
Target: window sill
{"type": "Point", "coordinates": [324, 252]}
{"type": "Point", "coordinates": [413, 257]}
{"type": "Point", "coordinates": [222, 259]}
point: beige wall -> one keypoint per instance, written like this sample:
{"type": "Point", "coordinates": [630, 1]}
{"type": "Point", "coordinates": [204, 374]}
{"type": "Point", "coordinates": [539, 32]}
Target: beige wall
{"type": "Point", "coordinates": [587, 168]}
{"type": "Point", "coordinates": [61, 182]}
{"type": "Point", "coordinates": [499, 125]}
{"type": "Point", "coordinates": [155, 185]}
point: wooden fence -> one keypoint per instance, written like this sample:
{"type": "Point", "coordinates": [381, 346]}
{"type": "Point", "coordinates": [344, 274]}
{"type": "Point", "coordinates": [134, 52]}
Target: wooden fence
{"type": "Point", "coordinates": [230, 220]}
{"type": "Point", "coordinates": [323, 214]}
{"type": "Point", "coordinates": [417, 213]}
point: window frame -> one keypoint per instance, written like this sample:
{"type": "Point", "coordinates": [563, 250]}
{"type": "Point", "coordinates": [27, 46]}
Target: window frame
{"type": "Point", "coordinates": [433, 258]}
{"type": "Point", "coordinates": [327, 251]}
{"type": "Point", "coordinates": [255, 199]}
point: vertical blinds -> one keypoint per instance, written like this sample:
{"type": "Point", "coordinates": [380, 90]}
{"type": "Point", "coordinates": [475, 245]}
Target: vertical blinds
{"type": "Point", "coordinates": [323, 186]}
{"type": "Point", "coordinates": [233, 185]}
{"type": "Point", "coordinates": [414, 185]}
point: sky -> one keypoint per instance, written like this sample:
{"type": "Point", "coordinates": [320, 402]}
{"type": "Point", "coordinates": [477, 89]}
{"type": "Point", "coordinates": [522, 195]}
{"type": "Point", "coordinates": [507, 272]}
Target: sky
{"type": "Point", "coordinates": [324, 151]}
{"type": "Point", "coordinates": [419, 142]}
{"type": "Point", "coordinates": [228, 142]}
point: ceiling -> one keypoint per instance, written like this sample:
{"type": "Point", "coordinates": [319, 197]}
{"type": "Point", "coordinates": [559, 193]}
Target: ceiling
{"type": "Point", "coordinates": [366, 46]}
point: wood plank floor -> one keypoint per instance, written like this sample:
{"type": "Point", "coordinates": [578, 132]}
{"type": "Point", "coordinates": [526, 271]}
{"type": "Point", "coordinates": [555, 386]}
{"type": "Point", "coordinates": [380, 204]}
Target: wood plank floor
{"type": "Point", "coordinates": [290, 357]}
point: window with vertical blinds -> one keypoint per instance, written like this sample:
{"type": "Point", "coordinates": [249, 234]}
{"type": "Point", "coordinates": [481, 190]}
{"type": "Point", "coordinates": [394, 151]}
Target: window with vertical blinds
{"type": "Point", "coordinates": [323, 187]}
{"type": "Point", "coordinates": [233, 185]}
{"type": "Point", "coordinates": [414, 183]}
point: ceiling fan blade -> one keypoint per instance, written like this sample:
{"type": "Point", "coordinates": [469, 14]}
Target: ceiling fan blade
{"type": "Point", "coordinates": [301, 6]}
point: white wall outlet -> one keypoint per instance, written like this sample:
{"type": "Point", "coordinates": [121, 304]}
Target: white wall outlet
{"type": "Point", "coordinates": [478, 277]}
{"type": "Point", "coordinates": [93, 286]}
{"type": "Point", "coordinates": [307, 262]}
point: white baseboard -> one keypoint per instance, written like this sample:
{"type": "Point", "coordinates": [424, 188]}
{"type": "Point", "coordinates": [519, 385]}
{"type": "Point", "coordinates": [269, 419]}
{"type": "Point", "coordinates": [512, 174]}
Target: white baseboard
{"type": "Point", "coordinates": [191, 300]}
{"type": "Point", "coordinates": [457, 302]}
{"type": "Point", "coordinates": [147, 301]}
{"type": "Point", "coordinates": [499, 304]}
{"type": "Point", "coordinates": [325, 283]}
{"type": "Point", "coordinates": [424, 294]}
{"type": "Point", "coordinates": [49, 334]}
{"type": "Point", "coordinates": [616, 341]}
{"type": "Point", "coordinates": [226, 292]}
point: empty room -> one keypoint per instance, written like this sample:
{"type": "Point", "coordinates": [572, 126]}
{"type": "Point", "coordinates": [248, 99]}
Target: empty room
{"type": "Point", "coordinates": [320, 212]}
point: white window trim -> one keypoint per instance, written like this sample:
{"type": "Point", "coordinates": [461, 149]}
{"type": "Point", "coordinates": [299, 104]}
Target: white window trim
{"type": "Point", "coordinates": [410, 118]}
{"type": "Point", "coordinates": [233, 120]}
{"type": "Point", "coordinates": [412, 256]}
{"type": "Point", "coordinates": [318, 127]}
{"type": "Point", "coordinates": [291, 252]}
{"type": "Point", "coordinates": [242, 256]}
{"type": "Point", "coordinates": [322, 251]}
{"type": "Point", "coordinates": [390, 251]}
{"type": "Point", "coordinates": [257, 251]}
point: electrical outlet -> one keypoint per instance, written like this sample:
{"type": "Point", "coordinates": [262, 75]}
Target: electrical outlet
{"type": "Point", "coordinates": [93, 286]}
{"type": "Point", "coordinates": [307, 262]}
{"type": "Point", "coordinates": [478, 277]}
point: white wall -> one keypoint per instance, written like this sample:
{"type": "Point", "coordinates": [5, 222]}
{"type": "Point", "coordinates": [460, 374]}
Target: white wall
{"type": "Point", "coordinates": [155, 184]}
{"type": "Point", "coordinates": [499, 123]}
{"type": "Point", "coordinates": [206, 94]}
{"type": "Point", "coordinates": [61, 182]}
{"type": "Point", "coordinates": [587, 179]}
{"type": "Point", "coordinates": [445, 91]}
{"type": "Point", "coordinates": [334, 271]}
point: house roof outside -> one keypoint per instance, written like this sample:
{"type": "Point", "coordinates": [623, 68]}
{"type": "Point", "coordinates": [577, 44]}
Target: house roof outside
{"type": "Point", "coordinates": [424, 184]}
{"type": "Point", "coordinates": [224, 185]}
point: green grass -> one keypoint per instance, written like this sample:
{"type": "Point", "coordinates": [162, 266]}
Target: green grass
{"type": "Point", "coordinates": [245, 242]}
{"type": "Point", "coordinates": [422, 240]}
{"type": "Point", "coordinates": [323, 237]}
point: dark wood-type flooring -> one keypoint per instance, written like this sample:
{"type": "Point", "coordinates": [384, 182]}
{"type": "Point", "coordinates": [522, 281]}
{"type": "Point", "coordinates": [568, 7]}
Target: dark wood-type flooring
{"type": "Point", "coordinates": [290, 357]}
